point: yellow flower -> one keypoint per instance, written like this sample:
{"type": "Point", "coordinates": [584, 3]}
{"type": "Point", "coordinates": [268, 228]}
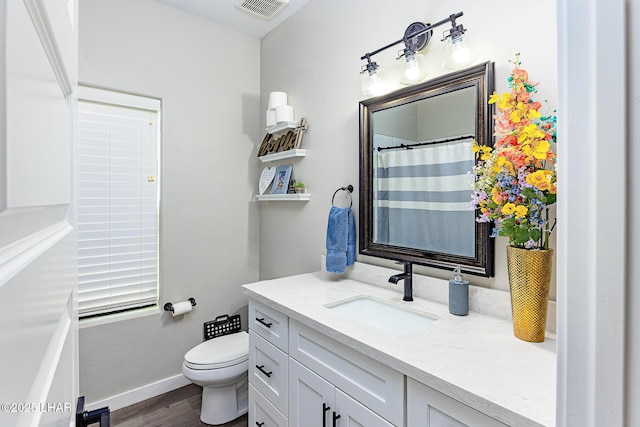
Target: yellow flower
{"type": "Point", "coordinates": [530, 132]}
{"type": "Point", "coordinates": [495, 196]}
{"type": "Point", "coordinates": [508, 208]}
{"type": "Point", "coordinates": [536, 178]}
{"type": "Point", "coordinates": [509, 167]}
{"type": "Point", "coordinates": [505, 102]}
{"type": "Point", "coordinates": [541, 149]}
{"type": "Point", "coordinates": [494, 97]}
{"type": "Point", "coordinates": [541, 180]}
{"type": "Point", "coordinates": [484, 150]}
{"type": "Point", "coordinates": [544, 186]}
{"type": "Point", "coordinates": [521, 211]}
{"type": "Point", "coordinates": [533, 114]}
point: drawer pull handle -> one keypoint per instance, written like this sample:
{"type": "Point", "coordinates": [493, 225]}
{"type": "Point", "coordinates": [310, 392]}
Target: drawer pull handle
{"type": "Point", "coordinates": [259, 424]}
{"type": "Point", "coordinates": [261, 320]}
{"type": "Point", "coordinates": [335, 419]}
{"type": "Point", "coordinates": [260, 368]}
{"type": "Point", "coordinates": [325, 408]}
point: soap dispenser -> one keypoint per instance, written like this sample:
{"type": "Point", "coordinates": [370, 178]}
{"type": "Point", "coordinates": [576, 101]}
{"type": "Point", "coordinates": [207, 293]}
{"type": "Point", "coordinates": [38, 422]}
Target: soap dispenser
{"type": "Point", "coordinates": [458, 294]}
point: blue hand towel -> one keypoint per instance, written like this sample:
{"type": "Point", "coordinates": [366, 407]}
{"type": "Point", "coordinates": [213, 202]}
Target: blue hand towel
{"type": "Point", "coordinates": [351, 240]}
{"type": "Point", "coordinates": [341, 240]}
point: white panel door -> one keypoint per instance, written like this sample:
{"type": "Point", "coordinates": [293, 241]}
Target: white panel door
{"type": "Point", "coordinates": [311, 398]}
{"type": "Point", "coordinates": [38, 323]}
{"type": "Point", "coordinates": [352, 413]}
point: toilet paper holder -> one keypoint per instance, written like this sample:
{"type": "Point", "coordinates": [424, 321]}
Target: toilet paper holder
{"type": "Point", "coordinates": [169, 306]}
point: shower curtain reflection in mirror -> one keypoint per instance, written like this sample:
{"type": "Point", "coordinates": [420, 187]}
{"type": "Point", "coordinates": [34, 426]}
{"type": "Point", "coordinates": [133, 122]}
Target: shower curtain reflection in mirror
{"type": "Point", "coordinates": [421, 194]}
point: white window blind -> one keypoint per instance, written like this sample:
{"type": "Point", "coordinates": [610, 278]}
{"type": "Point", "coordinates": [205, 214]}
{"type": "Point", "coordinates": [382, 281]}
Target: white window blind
{"type": "Point", "coordinates": [117, 201]}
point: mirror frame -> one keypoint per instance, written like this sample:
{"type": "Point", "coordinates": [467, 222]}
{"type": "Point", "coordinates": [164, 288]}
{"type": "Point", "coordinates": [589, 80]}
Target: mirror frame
{"type": "Point", "coordinates": [479, 77]}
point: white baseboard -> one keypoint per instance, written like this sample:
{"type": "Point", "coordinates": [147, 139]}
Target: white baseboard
{"type": "Point", "coordinates": [139, 394]}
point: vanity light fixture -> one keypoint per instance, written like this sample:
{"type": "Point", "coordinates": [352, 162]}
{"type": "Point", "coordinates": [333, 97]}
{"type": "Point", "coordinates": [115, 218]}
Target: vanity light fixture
{"type": "Point", "coordinates": [458, 53]}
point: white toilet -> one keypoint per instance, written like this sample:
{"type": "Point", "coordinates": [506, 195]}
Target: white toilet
{"type": "Point", "coordinates": [219, 366]}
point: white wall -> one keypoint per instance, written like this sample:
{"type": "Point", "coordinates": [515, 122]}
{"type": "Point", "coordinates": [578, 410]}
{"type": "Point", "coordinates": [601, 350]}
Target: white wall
{"type": "Point", "coordinates": [208, 79]}
{"type": "Point", "coordinates": [314, 56]}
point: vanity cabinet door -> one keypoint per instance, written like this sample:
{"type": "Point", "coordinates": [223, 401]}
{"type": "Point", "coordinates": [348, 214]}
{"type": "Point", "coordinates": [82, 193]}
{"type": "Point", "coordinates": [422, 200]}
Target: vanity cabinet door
{"type": "Point", "coordinates": [430, 408]}
{"type": "Point", "coordinates": [354, 414]}
{"type": "Point", "coordinates": [313, 401]}
{"type": "Point", "coordinates": [311, 398]}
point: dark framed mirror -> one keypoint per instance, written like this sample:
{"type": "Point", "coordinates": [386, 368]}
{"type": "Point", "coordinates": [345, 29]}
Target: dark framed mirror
{"type": "Point", "coordinates": [415, 159]}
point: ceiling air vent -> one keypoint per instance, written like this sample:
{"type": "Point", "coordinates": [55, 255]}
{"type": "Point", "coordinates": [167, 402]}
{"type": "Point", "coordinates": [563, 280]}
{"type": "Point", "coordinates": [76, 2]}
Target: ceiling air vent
{"type": "Point", "coordinates": [264, 9]}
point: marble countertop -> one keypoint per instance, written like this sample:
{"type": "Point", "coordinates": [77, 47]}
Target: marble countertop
{"type": "Point", "coordinates": [475, 359]}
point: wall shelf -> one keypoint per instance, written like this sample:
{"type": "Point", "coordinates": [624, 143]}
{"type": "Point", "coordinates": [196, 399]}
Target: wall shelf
{"type": "Point", "coordinates": [300, 152]}
{"type": "Point", "coordinates": [282, 127]}
{"type": "Point", "coordinates": [284, 197]}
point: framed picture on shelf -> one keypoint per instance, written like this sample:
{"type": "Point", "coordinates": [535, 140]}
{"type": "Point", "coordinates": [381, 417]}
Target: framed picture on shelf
{"type": "Point", "coordinates": [281, 180]}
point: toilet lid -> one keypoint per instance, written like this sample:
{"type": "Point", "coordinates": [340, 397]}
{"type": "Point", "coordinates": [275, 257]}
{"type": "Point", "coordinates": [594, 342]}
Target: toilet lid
{"type": "Point", "coordinates": [219, 352]}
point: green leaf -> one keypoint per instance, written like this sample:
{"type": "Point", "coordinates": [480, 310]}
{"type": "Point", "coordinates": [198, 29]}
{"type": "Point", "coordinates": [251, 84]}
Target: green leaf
{"type": "Point", "coordinates": [529, 193]}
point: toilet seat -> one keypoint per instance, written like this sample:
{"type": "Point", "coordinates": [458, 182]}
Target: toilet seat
{"type": "Point", "coordinates": [219, 352]}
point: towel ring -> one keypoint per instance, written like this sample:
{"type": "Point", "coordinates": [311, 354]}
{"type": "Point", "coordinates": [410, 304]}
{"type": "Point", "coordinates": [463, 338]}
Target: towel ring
{"type": "Point", "coordinates": [348, 189]}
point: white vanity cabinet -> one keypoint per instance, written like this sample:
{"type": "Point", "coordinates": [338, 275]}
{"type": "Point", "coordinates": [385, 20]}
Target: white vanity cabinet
{"type": "Point", "coordinates": [427, 407]}
{"type": "Point", "coordinates": [300, 377]}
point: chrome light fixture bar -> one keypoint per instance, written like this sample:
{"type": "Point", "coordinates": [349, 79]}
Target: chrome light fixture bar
{"type": "Point", "coordinates": [457, 54]}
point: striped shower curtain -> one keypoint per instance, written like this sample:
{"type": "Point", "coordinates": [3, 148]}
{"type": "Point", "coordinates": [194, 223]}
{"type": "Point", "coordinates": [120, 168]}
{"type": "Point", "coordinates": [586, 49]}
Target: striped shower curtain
{"type": "Point", "coordinates": [421, 197]}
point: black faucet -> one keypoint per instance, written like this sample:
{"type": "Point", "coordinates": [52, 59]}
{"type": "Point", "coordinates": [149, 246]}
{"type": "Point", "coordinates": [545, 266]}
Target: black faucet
{"type": "Point", "coordinates": [408, 281]}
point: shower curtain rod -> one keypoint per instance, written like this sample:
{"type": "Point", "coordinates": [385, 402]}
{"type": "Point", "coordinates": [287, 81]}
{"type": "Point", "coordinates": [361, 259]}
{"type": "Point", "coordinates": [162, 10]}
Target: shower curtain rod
{"type": "Point", "coordinates": [432, 142]}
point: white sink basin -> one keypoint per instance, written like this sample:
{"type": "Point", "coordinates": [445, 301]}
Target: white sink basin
{"type": "Point", "coordinates": [382, 315]}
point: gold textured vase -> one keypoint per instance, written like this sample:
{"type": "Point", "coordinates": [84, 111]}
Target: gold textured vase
{"type": "Point", "coordinates": [529, 281]}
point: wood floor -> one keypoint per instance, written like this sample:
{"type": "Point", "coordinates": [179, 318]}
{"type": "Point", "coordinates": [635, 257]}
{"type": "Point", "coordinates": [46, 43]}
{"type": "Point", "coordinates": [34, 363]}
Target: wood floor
{"type": "Point", "coordinates": [178, 408]}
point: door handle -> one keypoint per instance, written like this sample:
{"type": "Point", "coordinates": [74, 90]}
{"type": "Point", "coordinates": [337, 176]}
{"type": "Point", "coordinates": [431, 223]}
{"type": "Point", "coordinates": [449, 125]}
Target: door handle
{"type": "Point", "coordinates": [325, 408]}
{"type": "Point", "coordinates": [261, 369]}
{"type": "Point", "coordinates": [335, 419]}
{"type": "Point", "coordinates": [261, 320]}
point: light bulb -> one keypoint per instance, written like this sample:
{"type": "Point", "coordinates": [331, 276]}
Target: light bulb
{"type": "Point", "coordinates": [413, 69]}
{"type": "Point", "coordinates": [459, 52]}
{"type": "Point", "coordinates": [374, 82]}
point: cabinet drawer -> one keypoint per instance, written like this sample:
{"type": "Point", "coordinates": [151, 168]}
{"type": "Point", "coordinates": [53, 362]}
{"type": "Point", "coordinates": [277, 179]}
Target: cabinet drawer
{"type": "Point", "coordinates": [375, 385]}
{"type": "Point", "coordinates": [263, 413]}
{"type": "Point", "coordinates": [269, 324]}
{"type": "Point", "coordinates": [268, 371]}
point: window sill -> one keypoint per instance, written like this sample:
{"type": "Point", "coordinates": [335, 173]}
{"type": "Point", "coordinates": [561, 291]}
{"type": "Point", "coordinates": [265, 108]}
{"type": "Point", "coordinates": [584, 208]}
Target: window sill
{"type": "Point", "coordinates": [118, 317]}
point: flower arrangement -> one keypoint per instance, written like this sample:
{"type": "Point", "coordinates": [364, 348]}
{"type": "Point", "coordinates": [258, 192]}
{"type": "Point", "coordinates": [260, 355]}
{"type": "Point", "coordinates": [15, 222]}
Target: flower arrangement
{"type": "Point", "coordinates": [515, 181]}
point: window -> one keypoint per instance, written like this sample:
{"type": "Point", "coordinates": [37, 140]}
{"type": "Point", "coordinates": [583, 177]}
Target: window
{"type": "Point", "coordinates": [117, 185]}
